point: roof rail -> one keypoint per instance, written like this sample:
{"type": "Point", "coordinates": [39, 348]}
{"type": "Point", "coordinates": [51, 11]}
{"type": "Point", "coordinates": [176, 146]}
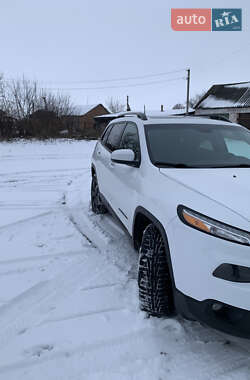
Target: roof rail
{"type": "Point", "coordinates": [214, 117]}
{"type": "Point", "coordinates": [140, 115]}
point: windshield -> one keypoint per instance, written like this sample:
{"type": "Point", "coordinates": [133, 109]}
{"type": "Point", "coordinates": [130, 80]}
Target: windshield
{"type": "Point", "coordinates": [198, 146]}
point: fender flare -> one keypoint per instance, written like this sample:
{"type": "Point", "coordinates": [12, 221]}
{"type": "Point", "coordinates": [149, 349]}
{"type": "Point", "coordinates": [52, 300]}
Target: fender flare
{"type": "Point", "coordinates": [157, 223]}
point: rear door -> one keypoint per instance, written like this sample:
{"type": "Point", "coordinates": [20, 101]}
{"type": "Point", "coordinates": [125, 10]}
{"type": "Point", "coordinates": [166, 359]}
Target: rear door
{"type": "Point", "coordinates": [110, 142]}
{"type": "Point", "coordinates": [125, 178]}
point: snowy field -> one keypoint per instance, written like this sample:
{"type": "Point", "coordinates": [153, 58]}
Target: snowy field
{"type": "Point", "coordinates": [68, 295]}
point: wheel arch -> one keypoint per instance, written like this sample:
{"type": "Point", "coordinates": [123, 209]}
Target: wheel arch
{"type": "Point", "coordinates": [142, 218]}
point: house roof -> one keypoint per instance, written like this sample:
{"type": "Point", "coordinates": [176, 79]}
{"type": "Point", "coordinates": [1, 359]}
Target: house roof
{"type": "Point", "coordinates": [231, 95]}
{"type": "Point", "coordinates": [81, 110]}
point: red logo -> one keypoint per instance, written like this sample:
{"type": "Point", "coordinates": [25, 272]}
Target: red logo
{"type": "Point", "coordinates": [191, 19]}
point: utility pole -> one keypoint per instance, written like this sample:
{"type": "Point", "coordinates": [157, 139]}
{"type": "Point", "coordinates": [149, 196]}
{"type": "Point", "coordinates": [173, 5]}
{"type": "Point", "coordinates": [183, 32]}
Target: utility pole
{"type": "Point", "coordinates": [128, 106]}
{"type": "Point", "coordinates": [188, 88]}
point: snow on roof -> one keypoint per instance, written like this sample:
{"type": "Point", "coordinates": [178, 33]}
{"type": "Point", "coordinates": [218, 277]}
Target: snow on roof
{"type": "Point", "coordinates": [80, 110]}
{"type": "Point", "coordinates": [213, 102]}
{"type": "Point", "coordinates": [232, 95]}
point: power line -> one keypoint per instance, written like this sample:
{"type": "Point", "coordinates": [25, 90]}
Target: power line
{"type": "Point", "coordinates": [122, 86]}
{"type": "Point", "coordinates": [113, 79]}
{"type": "Point", "coordinates": [124, 78]}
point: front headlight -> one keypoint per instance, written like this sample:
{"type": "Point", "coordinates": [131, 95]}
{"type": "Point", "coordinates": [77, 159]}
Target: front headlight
{"type": "Point", "coordinates": [212, 227]}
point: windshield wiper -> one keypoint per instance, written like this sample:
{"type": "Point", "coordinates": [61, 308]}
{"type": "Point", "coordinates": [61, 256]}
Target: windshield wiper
{"type": "Point", "coordinates": [232, 166]}
{"type": "Point", "coordinates": [180, 165]}
{"type": "Point", "coordinates": [172, 165]}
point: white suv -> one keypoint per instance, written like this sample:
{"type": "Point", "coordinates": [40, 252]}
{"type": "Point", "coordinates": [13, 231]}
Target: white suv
{"type": "Point", "coordinates": [181, 188]}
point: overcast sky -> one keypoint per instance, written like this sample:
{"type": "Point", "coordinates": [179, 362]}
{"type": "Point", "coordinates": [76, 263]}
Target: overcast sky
{"type": "Point", "coordinates": [66, 43]}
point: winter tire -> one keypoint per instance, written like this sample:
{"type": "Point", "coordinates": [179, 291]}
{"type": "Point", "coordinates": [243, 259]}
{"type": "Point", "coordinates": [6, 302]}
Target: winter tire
{"type": "Point", "coordinates": [96, 202]}
{"type": "Point", "coordinates": [154, 281]}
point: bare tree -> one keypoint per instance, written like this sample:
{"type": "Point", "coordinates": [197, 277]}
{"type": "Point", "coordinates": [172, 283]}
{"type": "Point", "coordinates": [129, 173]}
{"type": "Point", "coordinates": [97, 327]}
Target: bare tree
{"type": "Point", "coordinates": [23, 95]}
{"type": "Point", "coordinates": [7, 124]}
{"type": "Point", "coordinates": [26, 98]}
{"type": "Point", "coordinates": [31, 110]}
{"type": "Point", "coordinates": [194, 100]}
{"type": "Point", "coordinates": [58, 103]}
{"type": "Point", "coordinates": [114, 105]}
{"type": "Point", "coordinates": [5, 99]}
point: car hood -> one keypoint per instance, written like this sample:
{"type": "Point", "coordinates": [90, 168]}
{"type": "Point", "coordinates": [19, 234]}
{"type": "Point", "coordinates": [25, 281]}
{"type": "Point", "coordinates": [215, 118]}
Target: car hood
{"type": "Point", "coordinates": [229, 187]}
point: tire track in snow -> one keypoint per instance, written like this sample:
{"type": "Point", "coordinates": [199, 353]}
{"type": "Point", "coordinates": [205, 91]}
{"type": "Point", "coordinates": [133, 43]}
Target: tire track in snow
{"type": "Point", "coordinates": [49, 171]}
{"type": "Point", "coordinates": [119, 252]}
{"type": "Point", "coordinates": [31, 307]}
{"type": "Point", "coordinates": [43, 257]}
{"type": "Point", "coordinates": [86, 351]}
{"type": "Point", "coordinates": [137, 350]}
{"type": "Point", "coordinates": [96, 237]}
{"type": "Point", "coordinates": [101, 286]}
{"type": "Point", "coordinates": [82, 315]}
{"type": "Point", "coordinates": [36, 263]}
{"type": "Point", "coordinates": [26, 220]}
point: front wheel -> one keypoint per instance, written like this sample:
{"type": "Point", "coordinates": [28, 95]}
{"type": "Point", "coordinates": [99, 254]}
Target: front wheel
{"type": "Point", "coordinates": [154, 281]}
{"type": "Point", "coordinates": [96, 202]}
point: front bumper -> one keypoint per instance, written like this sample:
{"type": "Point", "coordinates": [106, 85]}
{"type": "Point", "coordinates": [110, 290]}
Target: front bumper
{"type": "Point", "coordinates": [195, 256]}
{"type": "Point", "coordinates": [220, 316]}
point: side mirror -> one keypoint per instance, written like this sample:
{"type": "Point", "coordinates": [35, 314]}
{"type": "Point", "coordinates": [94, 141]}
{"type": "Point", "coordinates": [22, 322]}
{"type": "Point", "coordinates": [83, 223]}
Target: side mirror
{"type": "Point", "coordinates": [123, 156]}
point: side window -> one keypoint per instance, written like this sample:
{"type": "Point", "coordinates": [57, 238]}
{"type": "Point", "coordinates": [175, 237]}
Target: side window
{"type": "Point", "coordinates": [114, 137]}
{"type": "Point", "coordinates": [105, 134]}
{"type": "Point", "coordinates": [130, 140]}
{"type": "Point", "coordinates": [238, 147]}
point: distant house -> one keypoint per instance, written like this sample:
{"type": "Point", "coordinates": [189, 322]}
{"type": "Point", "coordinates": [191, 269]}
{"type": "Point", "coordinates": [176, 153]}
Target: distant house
{"type": "Point", "coordinates": [83, 120]}
{"type": "Point", "coordinates": [230, 100]}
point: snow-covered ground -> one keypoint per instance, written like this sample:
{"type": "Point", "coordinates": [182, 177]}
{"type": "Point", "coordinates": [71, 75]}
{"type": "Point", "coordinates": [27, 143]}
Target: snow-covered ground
{"type": "Point", "coordinates": [68, 295]}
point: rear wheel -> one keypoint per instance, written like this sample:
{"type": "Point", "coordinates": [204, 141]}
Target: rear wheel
{"type": "Point", "coordinates": [154, 281]}
{"type": "Point", "coordinates": [96, 202]}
